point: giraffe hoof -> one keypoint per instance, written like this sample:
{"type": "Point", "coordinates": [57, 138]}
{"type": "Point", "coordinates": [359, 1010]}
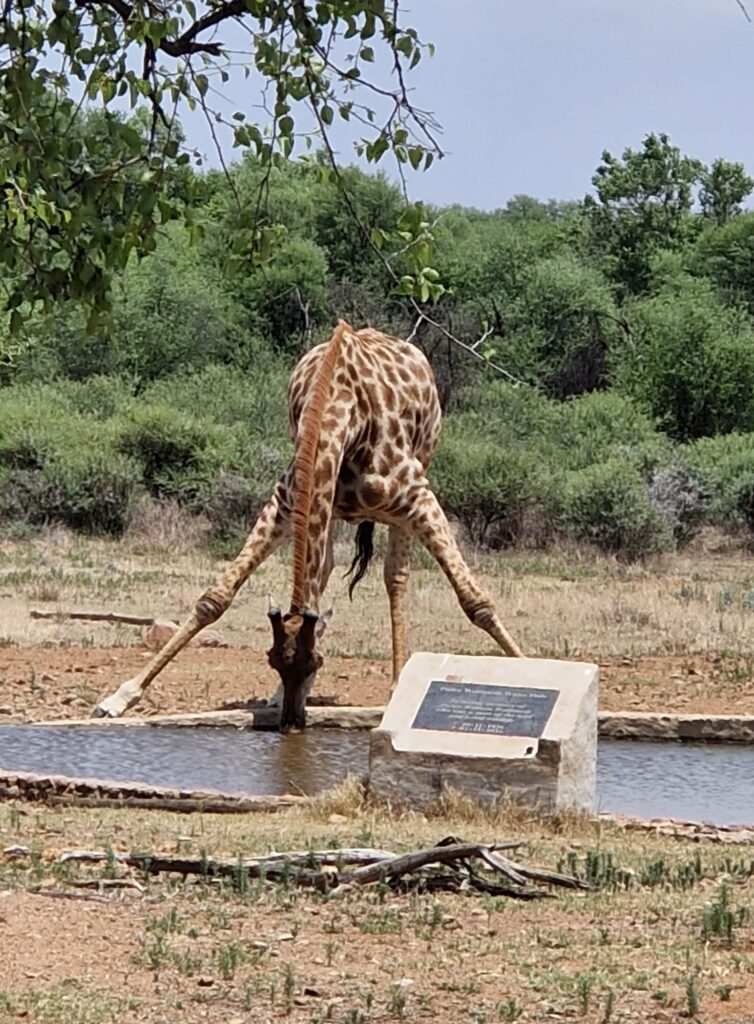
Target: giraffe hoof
{"type": "Point", "coordinates": [99, 712]}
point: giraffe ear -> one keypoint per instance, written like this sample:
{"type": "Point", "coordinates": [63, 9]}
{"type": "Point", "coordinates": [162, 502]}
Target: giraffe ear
{"type": "Point", "coordinates": [323, 622]}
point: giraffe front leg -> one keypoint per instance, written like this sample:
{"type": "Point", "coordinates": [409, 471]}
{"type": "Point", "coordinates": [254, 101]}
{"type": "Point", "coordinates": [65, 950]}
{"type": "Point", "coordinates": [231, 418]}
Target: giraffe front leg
{"type": "Point", "coordinates": [427, 521]}
{"type": "Point", "coordinates": [269, 531]}
{"type": "Point", "coordinates": [397, 570]}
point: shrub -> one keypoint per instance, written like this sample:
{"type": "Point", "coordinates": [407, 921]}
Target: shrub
{"type": "Point", "coordinates": [487, 487]}
{"type": "Point", "coordinates": [608, 505]}
{"type": "Point", "coordinates": [178, 452]}
{"type": "Point", "coordinates": [233, 497]}
{"type": "Point", "coordinates": [606, 425]}
{"type": "Point", "coordinates": [742, 500]}
{"type": "Point", "coordinates": [90, 490]}
{"type": "Point", "coordinates": [681, 497]}
{"type": "Point", "coordinates": [721, 463]}
{"type": "Point", "coordinates": [691, 362]}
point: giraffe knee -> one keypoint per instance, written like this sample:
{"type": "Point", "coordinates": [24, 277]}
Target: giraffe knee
{"type": "Point", "coordinates": [480, 611]}
{"type": "Point", "coordinates": [210, 607]}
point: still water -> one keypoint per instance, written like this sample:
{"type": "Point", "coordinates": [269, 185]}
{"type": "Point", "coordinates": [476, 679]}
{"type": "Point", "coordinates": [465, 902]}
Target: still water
{"type": "Point", "coordinates": [698, 782]}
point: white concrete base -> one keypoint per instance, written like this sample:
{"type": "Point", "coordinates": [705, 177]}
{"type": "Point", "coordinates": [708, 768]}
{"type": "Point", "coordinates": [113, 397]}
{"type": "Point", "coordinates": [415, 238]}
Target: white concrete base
{"type": "Point", "coordinates": [457, 722]}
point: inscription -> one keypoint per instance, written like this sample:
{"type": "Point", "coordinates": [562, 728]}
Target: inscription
{"type": "Point", "coordinates": [490, 710]}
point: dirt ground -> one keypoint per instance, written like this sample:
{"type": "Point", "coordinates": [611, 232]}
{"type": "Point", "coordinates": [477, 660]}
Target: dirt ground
{"type": "Point", "coordinates": [677, 635]}
{"type": "Point", "coordinates": [643, 947]}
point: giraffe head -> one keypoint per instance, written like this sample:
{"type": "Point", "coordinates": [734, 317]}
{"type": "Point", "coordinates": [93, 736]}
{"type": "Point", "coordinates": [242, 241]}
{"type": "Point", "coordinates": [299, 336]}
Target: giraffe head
{"type": "Point", "coordinates": [295, 658]}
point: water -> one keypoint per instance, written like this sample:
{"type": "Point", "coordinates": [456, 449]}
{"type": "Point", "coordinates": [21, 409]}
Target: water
{"type": "Point", "coordinates": [697, 782]}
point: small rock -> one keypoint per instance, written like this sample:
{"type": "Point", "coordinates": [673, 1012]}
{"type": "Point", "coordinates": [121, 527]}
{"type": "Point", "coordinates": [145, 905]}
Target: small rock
{"type": "Point", "coordinates": [309, 991]}
{"type": "Point", "coordinates": [158, 633]}
{"type": "Point", "coordinates": [205, 982]}
{"type": "Point", "coordinates": [259, 945]}
{"type": "Point", "coordinates": [6, 709]}
{"type": "Point", "coordinates": [48, 677]}
{"type": "Point", "coordinates": [285, 937]}
{"type": "Point", "coordinates": [337, 819]}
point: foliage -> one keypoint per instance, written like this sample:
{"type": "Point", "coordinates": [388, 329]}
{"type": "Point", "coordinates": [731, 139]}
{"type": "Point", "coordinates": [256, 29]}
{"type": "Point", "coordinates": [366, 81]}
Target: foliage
{"type": "Point", "coordinates": [724, 187]}
{"type": "Point", "coordinates": [642, 204]}
{"type": "Point", "coordinates": [484, 485]}
{"type": "Point", "coordinates": [691, 360]}
{"type": "Point", "coordinates": [631, 425]}
{"type": "Point", "coordinates": [560, 327]}
{"type": "Point", "coordinates": [85, 188]}
{"type": "Point", "coordinates": [608, 505]}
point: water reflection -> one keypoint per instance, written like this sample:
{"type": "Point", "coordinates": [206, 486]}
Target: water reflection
{"type": "Point", "coordinates": [698, 782]}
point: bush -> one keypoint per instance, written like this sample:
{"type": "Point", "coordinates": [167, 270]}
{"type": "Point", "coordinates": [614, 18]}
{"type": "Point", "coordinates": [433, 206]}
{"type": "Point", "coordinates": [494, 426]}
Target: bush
{"type": "Point", "coordinates": [178, 452]}
{"type": "Point", "coordinates": [232, 501]}
{"type": "Point", "coordinates": [488, 488]}
{"type": "Point", "coordinates": [691, 363]}
{"type": "Point", "coordinates": [722, 463]}
{"type": "Point", "coordinates": [608, 505]}
{"type": "Point", "coordinates": [606, 425]}
{"type": "Point", "coordinates": [89, 490]}
{"type": "Point", "coordinates": [742, 500]}
{"type": "Point", "coordinates": [682, 498]}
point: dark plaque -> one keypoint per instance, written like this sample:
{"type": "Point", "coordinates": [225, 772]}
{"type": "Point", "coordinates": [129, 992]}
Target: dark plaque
{"type": "Point", "coordinates": [479, 708]}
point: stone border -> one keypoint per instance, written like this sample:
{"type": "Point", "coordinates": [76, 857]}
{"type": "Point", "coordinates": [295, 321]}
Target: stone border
{"type": "Point", "coordinates": [614, 725]}
{"type": "Point", "coordinates": [83, 792]}
{"type": "Point", "coordinates": [674, 828]}
{"type": "Point", "coordinates": [652, 725]}
{"type": "Point", "coordinates": [57, 790]}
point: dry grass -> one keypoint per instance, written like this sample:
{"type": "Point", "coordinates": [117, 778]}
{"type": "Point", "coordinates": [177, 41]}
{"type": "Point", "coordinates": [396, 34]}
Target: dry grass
{"type": "Point", "coordinates": [556, 604]}
{"type": "Point", "coordinates": [635, 950]}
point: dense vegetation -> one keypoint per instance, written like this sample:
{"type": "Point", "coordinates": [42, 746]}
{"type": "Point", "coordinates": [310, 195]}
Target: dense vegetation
{"type": "Point", "coordinates": [625, 322]}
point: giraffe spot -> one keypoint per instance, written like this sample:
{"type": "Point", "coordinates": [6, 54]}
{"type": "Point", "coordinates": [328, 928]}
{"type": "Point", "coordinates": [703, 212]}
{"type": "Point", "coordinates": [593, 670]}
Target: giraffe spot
{"type": "Point", "coordinates": [373, 492]}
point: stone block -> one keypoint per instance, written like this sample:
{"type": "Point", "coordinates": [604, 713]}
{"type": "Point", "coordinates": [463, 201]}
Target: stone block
{"type": "Point", "coordinates": [489, 727]}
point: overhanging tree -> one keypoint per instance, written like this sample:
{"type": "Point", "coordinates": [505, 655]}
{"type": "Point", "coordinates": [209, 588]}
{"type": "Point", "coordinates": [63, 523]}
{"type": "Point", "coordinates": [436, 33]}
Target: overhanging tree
{"type": "Point", "coordinates": [76, 203]}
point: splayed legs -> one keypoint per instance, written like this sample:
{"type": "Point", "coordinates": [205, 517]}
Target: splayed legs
{"type": "Point", "coordinates": [269, 531]}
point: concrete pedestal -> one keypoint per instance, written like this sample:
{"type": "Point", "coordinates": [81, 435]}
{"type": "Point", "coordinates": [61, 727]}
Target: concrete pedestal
{"type": "Point", "coordinates": [489, 727]}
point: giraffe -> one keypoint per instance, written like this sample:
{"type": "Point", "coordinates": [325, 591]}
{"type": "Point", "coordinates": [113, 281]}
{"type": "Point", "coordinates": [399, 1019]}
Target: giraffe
{"type": "Point", "coordinates": [364, 417]}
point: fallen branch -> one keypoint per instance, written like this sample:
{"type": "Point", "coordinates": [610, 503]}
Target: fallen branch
{"type": "Point", "coordinates": [448, 865]}
{"type": "Point", "coordinates": [129, 620]}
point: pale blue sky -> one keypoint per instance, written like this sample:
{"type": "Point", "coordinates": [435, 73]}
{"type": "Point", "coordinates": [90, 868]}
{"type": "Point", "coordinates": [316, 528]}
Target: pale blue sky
{"type": "Point", "coordinates": [531, 91]}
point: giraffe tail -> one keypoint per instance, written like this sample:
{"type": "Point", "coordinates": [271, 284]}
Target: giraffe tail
{"type": "Point", "coordinates": [363, 556]}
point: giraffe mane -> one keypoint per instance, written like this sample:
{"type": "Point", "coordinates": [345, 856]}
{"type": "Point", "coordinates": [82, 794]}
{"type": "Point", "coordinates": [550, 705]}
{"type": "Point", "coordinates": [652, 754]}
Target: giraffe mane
{"type": "Point", "coordinates": [307, 442]}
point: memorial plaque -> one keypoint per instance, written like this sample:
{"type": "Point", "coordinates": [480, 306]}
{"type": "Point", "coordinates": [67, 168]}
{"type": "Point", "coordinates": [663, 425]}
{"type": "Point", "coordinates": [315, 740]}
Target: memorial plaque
{"type": "Point", "coordinates": [490, 710]}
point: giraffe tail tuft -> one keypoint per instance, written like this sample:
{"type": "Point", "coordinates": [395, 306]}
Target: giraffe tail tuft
{"type": "Point", "coordinates": [363, 556]}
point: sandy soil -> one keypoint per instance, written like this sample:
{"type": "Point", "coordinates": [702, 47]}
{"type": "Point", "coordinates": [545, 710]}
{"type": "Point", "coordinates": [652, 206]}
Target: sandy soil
{"type": "Point", "coordinates": [53, 683]}
{"type": "Point", "coordinates": [189, 952]}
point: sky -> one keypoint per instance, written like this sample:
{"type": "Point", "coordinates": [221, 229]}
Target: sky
{"type": "Point", "coordinates": [530, 92]}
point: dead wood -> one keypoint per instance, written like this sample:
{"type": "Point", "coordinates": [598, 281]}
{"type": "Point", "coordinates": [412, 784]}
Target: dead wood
{"type": "Point", "coordinates": [449, 865]}
{"type": "Point", "coordinates": [129, 620]}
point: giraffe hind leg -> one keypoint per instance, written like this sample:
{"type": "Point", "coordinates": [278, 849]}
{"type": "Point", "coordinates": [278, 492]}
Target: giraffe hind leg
{"type": "Point", "coordinates": [397, 570]}
{"type": "Point", "coordinates": [269, 531]}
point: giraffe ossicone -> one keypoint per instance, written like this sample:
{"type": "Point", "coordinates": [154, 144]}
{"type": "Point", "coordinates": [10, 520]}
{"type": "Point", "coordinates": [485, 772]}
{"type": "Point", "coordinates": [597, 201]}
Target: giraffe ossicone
{"type": "Point", "coordinates": [364, 418]}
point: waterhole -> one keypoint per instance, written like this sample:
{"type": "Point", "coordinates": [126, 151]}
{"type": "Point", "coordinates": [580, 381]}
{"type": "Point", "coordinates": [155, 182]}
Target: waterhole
{"type": "Point", "coordinates": [697, 782]}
